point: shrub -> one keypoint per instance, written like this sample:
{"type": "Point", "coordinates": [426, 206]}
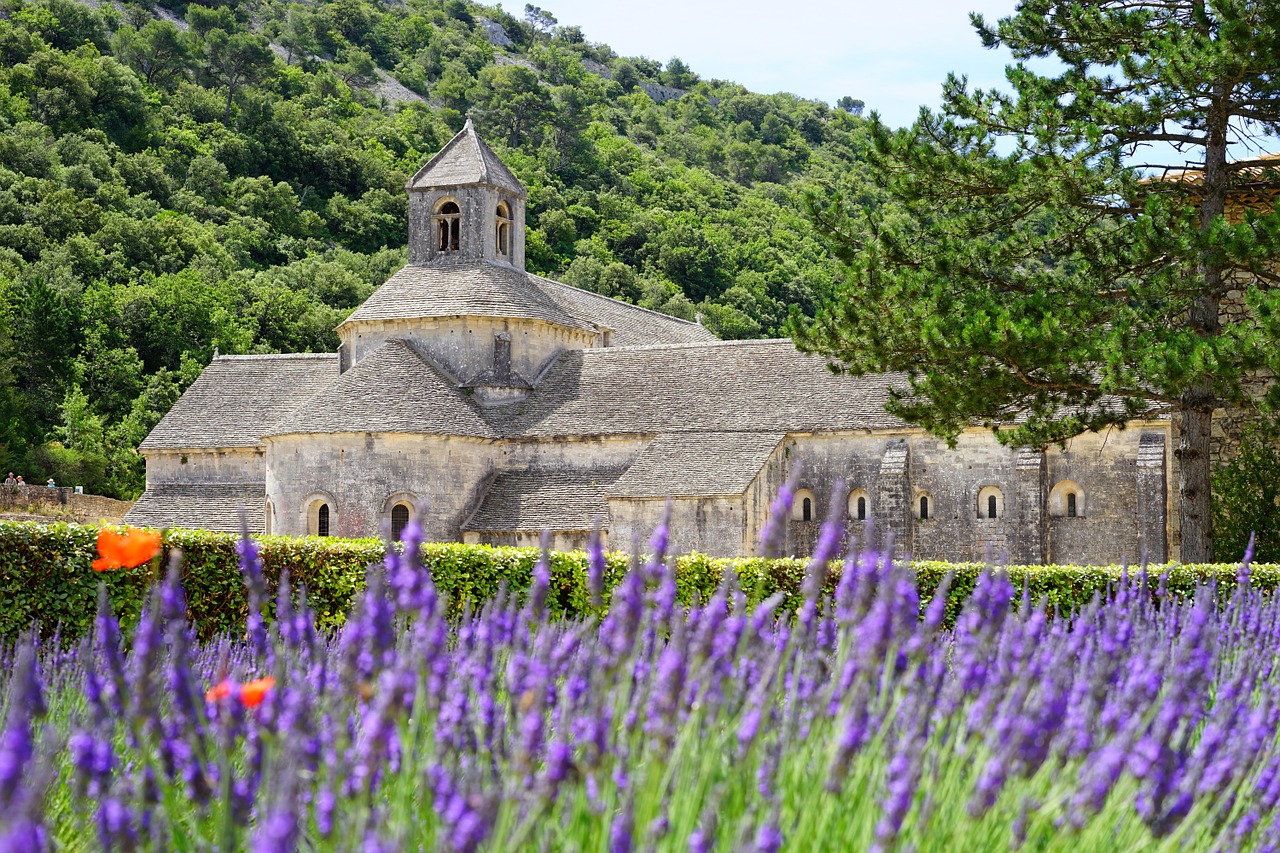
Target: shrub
{"type": "Point", "coordinates": [45, 577]}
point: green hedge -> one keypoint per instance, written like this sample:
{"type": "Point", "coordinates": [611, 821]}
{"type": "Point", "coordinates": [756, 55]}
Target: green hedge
{"type": "Point", "coordinates": [45, 576]}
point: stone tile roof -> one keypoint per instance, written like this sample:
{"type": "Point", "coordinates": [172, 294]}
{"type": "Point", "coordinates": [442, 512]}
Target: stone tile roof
{"type": "Point", "coordinates": [466, 159]}
{"type": "Point", "coordinates": [539, 500]}
{"type": "Point", "coordinates": [201, 506]}
{"type": "Point", "coordinates": [393, 389]}
{"type": "Point", "coordinates": [727, 386]}
{"type": "Point", "coordinates": [463, 289]}
{"type": "Point", "coordinates": [631, 325]}
{"type": "Point", "coordinates": [238, 399]}
{"type": "Point", "coordinates": [695, 464]}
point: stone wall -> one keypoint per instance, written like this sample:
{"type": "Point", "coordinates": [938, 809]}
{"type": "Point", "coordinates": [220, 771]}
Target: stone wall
{"type": "Point", "coordinates": [478, 210]}
{"type": "Point", "coordinates": [465, 345]}
{"type": "Point", "coordinates": [1122, 513]}
{"type": "Point", "coordinates": [712, 525]}
{"type": "Point", "coordinates": [62, 503]}
{"type": "Point", "coordinates": [230, 465]}
{"type": "Point", "coordinates": [361, 475]}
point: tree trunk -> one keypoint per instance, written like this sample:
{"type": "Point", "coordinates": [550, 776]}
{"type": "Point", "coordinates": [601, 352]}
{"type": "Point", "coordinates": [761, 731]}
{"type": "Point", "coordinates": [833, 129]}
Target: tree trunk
{"type": "Point", "coordinates": [1198, 401]}
{"type": "Point", "coordinates": [1195, 515]}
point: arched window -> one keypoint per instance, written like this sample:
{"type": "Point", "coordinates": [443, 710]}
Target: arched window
{"type": "Point", "coordinates": [859, 505]}
{"type": "Point", "coordinates": [399, 520]}
{"type": "Point", "coordinates": [268, 522]}
{"type": "Point", "coordinates": [448, 226]}
{"type": "Point", "coordinates": [924, 507]}
{"type": "Point", "coordinates": [803, 506]}
{"type": "Point", "coordinates": [1066, 500]}
{"type": "Point", "coordinates": [502, 237]}
{"type": "Point", "coordinates": [322, 520]}
{"type": "Point", "coordinates": [990, 503]}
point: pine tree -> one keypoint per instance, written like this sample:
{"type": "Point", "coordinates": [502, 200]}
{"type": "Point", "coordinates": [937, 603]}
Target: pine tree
{"type": "Point", "coordinates": [1040, 266]}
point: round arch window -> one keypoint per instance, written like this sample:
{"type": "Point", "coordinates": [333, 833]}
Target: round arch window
{"type": "Point", "coordinates": [399, 520]}
{"type": "Point", "coordinates": [448, 227]}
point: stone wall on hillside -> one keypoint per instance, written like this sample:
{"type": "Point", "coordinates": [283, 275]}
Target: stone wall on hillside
{"type": "Point", "coordinates": [61, 503]}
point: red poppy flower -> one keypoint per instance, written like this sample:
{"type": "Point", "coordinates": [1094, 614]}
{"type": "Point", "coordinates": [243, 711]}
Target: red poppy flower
{"type": "Point", "coordinates": [125, 550]}
{"type": "Point", "coordinates": [251, 692]}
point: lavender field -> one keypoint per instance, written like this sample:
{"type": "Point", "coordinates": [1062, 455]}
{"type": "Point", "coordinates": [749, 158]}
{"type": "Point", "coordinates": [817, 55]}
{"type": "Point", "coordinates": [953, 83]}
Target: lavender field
{"type": "Point", "coordinates": [1141, 723]}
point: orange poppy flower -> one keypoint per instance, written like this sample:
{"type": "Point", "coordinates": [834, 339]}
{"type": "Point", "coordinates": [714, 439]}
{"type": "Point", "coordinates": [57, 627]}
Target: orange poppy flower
{"type": "Point", "coordinates": [127, 549]}
{"type": "Point", "coordinates": [251, 692]}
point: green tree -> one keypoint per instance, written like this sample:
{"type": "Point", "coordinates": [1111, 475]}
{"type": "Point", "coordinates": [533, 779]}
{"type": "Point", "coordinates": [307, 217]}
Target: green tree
{"type": "Point", "coordinates": [1246, 492]}
{"type": "Point", "coordinates": [157, 52]}
{"type": "Point", "coordinates": [236, 60]}
{"type": "Point", "coordinates": [1031, 267]}
{"type": "Point", "coordinates": [511, 102]}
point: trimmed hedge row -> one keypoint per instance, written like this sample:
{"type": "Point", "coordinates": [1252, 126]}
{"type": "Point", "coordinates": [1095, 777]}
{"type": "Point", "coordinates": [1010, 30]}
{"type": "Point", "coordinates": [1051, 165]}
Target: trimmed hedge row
{"type": "Point", "coordinates": [45, 577]}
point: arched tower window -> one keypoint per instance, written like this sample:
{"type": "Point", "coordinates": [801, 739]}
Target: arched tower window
{"type": "Point", "coordinates": [322, 520]}
{"type": "Point", "coordinates": [806, 509]}
{"type": "Point", "coordinates": [1071, 505]}
{"type": "Point", "coordinates": [990, 503]}
{"type": "Point", "coordinates": [924, 507]}
{"type": "Point", "coordinates": [399, 520]}
{"type": "Point", "coordinates": [448, 226]}
{"type": "Point", "coordinates": [502, 234]}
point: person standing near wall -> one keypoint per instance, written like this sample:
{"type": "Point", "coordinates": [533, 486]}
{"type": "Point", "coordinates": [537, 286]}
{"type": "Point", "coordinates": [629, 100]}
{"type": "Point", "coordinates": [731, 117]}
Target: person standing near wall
{"type": "Point", "coordinates": [10, 481]}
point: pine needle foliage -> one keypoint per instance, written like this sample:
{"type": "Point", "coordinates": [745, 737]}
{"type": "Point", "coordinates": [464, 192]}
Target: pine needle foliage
{"type": "Point", "coordinates": [1041, 264]}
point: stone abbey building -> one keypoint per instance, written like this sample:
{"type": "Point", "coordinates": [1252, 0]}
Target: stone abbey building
{"type": "Point", "coordinates": [492, 403]}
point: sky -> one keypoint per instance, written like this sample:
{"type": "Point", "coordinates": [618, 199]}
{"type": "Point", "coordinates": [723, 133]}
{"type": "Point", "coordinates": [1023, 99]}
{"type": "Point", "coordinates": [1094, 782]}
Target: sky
{"type": "Point", "coordinates": [892, 54]}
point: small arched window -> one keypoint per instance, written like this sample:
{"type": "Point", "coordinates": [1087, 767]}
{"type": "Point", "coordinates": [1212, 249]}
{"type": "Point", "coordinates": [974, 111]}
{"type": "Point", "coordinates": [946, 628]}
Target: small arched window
{"type": "Point", "coordinates": [399, 520]}
{"type": "Point", "coordinates": [990, 503]}
{"type": "Point", "coordinates": [448, 226]}
{"type": "Point", "coordinates": [1067, 500]}
{"type": "Point", "coordinates": [859, 505]}
{"type": "Point", "coordinates": [924, 507]}
{"type": "Point", "coordinates": [502, 235]}
{"type": "Point", "coordinates": [322, 520]}
{"type": "Point", "coordinates": [803, 505]}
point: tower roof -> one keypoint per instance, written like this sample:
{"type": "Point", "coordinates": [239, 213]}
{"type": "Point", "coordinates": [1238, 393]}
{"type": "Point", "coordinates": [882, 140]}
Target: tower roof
{"type": "Point", "coordinates": [466, 159]}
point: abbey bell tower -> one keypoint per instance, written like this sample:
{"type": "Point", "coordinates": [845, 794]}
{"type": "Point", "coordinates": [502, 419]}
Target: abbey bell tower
{"type": "Point", "coordinates": [465, 205]}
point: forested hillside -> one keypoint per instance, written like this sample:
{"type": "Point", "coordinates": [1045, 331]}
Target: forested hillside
{"type": "Point", "coordinates": [175, 179]}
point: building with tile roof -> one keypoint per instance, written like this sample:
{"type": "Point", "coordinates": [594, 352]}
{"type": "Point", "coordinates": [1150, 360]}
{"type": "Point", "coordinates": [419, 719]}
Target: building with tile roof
{"type": "Point", "coordinates": [493, 404]}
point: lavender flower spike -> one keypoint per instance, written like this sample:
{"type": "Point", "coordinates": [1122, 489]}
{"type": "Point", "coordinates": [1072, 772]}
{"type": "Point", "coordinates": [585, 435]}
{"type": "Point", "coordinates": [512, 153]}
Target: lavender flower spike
{"type": "Point", "coordinates": [773, 534]}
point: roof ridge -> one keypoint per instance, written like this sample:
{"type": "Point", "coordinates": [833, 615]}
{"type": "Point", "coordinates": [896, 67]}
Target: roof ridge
{"type": "Point", "coordinates": [615, 301]}
{"type": "Point", "coordinates": [275, 355]}
{"type": "Point", "coordinates": [693, 345]}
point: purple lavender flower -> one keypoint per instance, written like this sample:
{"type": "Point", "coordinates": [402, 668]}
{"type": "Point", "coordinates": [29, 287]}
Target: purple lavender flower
{"type": "Point", "coordinates": [255, 583]}
{"type": "Point", "coordinates": [768, 838]}
{"type": "Point", "coordinates": [773, 534]}
{"type": "Point", "coordinates": [622, 829]}
{"type": "Point", "coordinates": [467, 826]}
{"type": "Point", "coordinates": [596, 566]}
